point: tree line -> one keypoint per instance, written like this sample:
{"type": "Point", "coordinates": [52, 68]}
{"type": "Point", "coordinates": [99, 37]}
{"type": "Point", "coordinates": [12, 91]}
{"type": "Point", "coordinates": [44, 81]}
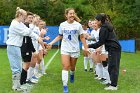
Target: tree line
{"type": "Point", "coordinates": [125, 14]}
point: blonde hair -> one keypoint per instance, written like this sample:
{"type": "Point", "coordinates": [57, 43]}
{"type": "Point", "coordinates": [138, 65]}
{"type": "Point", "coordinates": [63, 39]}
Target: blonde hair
{"type": "Point", "coordinates": [75, 17]}
{"type": "Point", "coordinates": [19, 12]}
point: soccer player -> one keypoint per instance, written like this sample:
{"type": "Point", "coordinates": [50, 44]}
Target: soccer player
{"type": "Point", "coordinates": [70, 51]}
{"type": "Point", "coordinates": [100, 56]}
{"type": "Point", "coordinates": [17, 30]}
{"type": "Point", "coordinates": [108, 37]}
{"type": "Point", "coordinates": [33, 69]}
{"type": "Point", "coordinates": [87, 34]}
{"type": "Point", "coordinates": [43, 31]}
{"type": "Point", "coordinates": [26, 50]}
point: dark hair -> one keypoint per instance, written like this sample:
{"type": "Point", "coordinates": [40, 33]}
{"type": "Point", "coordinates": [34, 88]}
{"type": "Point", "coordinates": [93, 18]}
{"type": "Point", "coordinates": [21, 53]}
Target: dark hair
{"type": "Point", "coordinates": [85, 23]}
{"type": "Point", "coordinates": [101, 17]}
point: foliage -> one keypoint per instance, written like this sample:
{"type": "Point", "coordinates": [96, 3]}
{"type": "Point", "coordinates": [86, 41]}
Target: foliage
{"type": "Point", "coordinates": [125, 14]}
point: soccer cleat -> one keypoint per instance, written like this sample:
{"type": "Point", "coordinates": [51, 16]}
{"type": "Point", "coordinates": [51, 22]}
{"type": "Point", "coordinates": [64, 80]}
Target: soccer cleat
{"type": "Point", "coordinates": [111, 88]}
{"type": "Point", "coordinates": [85, 70]}
{"type": "Point", "coordinates": [29, 82]}
{"type": "Point", "coordinates": [71, 78]}
{"type": "Point", "coordinates": [102, 79]}
{"type": "Point", "coordinates": [65, 89]}
{"type": "Point", "coordinates": [91, 70]}
{"type": "Point", "coordinates": [34, 79]}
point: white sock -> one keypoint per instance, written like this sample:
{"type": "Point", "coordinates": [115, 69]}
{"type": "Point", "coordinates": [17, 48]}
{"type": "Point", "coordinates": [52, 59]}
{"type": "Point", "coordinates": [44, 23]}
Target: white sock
{"type": "Point", "coordinates": [65, 77]}
{"type": "Point", "coordinates": [91, 62]}
{"type": "Point", "coordinates": [42, 66]}
{"type": "Point", "coordinates": [85, 62]}
{"type": "Point", "coordinates": [71, 72]}
{"type": "Point", "coordinates": [100, 70]}
{"type": "Point", "coordinates": [30, 73]}
{"type": "Point", "coordinates": [106, 74]}
{"type": "Point", "coordinates": [36, 68]}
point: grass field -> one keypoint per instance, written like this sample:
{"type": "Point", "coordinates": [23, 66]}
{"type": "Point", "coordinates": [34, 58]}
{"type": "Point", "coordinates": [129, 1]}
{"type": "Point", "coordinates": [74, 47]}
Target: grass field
{"type": "Point", "coordinates": [84, 81]}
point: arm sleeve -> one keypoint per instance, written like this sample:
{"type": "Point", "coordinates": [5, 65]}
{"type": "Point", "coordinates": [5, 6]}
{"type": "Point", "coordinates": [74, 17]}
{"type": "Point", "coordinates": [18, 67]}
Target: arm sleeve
{"type": "Point", "coordinates": [60, 30]}
{"type": "Point", "coordinates": [103, 34]}
{"type": "Point", "coordinates": [81, 31]}
{"type": "Point", "coordinates": [25, 31]}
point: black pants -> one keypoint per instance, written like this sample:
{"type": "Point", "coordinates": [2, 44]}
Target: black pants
{"type": "Point", "coordinates": [113, 65]}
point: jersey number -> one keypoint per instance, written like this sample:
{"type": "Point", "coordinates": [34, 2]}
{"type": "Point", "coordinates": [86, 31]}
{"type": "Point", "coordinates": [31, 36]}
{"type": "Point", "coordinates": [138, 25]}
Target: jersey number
{"type": "Point", "coordinates": [69, 37]}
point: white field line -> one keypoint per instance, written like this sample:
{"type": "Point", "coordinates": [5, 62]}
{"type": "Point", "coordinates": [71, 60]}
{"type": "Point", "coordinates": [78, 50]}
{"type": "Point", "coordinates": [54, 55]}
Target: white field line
{"type": "Point", "coordinates": [48, 63]}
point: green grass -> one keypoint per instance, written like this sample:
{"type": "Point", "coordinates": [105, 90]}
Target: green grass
{"type": "Point", "coordinates": [84, 81]}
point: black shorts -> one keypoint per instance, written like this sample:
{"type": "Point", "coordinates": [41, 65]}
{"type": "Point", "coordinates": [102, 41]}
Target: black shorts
{"type": "Point", "coordinates": [26, 56]}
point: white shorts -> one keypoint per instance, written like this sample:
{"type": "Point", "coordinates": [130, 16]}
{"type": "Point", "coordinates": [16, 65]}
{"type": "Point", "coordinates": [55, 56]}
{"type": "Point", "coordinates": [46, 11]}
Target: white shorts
{"type": "Point", "coordinates": [71, 54]}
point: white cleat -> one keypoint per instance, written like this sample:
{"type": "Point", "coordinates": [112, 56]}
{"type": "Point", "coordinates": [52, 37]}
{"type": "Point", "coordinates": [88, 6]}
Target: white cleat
{"type": "Point", "coordinates": [111, 88]}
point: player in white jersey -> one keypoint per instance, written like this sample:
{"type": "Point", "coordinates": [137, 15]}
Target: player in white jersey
{"type": "Point", "coordinates": [32, 69]}
{"type": "Point", "coordinates": [70, 50]}
{"type": "Point", "coordinates": [43, 31]}
{"type": "Point", "coordinates": [100, 57]}
{"type": "Point", "coordinates": [17, 30]}
{"type": "Point", "coordinates": [87, 34]}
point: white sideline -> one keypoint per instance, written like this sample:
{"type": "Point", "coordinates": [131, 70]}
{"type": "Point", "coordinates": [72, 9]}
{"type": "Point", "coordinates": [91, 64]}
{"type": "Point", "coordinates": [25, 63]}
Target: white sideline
{"type": "Point", "coordinates": [48, 63]}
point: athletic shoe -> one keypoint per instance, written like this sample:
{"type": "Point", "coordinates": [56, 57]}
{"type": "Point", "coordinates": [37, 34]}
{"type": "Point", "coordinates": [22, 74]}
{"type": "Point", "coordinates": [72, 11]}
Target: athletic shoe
{"type": "Point", "coordinates": [34, 79]}
{"type": "Point", "coordinates": [29, 82]}
{"type": "Point", "coordinates": [105, 82]}
{"type": "Point", "coordinates": [17, 89]}
{"type": "Point", "coordinates": [98, 78]}
{"type": "Point", "coordinates": [71, 78]}
{"type": "Point", "coordinates": [65, 89]}
{"type": "Point", "coordinates": [102, 79]}
{"type": "Point", "coordinates": [85, 70]}
{"type": "Point", "coordinates": [91, 70]}
{"type": "Point", "coordinates": [111, 88]}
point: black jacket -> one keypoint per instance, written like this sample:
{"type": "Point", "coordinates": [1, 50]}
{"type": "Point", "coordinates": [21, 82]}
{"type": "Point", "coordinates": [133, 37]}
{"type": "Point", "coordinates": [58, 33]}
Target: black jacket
{"type": "Point", "coordinates": [108, 37]}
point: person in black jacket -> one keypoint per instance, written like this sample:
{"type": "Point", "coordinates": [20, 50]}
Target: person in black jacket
{"type": "Point", "coordinates": [108, 37]}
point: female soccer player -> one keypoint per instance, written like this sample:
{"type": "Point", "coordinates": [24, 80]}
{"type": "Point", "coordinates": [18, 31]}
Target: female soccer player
{"type": "Point", "coordinates": [17, 30]}
{"type": "Point", "coordinates": [70, 51]}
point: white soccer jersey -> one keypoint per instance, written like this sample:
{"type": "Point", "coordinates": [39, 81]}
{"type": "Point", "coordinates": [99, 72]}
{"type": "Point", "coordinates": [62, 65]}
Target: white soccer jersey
{"type": "Point", "coordinates": [35, 43]}
{"type": "Point", "coordinates": [70, 32]}
{"type": "Point", "coordinates": [96, 36]}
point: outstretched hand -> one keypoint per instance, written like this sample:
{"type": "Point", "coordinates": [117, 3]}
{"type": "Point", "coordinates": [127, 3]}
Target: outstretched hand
{"type": "Point", "coordinates": [48, 46]}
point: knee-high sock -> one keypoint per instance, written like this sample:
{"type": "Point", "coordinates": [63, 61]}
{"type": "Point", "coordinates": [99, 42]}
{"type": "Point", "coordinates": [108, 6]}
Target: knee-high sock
{"type": "Point", "coordinates": [71, 72]}
{"type": "Point", "coordinates": [85, 62]}
{"type": "Point", "coordinates": [65, 77]}
{"type": "Point", "coordinates": [23, 77]}
{"type": "Point", "coordinates": [42, 66]}
{"type": "Point", "coordinates": [30, 73]}
{"type": "Point", "coordinates": [99, 70]}
{"type": "Point", "coordinates": [36, 68]}
{"type": "Point", "coordinates": [91, 62]}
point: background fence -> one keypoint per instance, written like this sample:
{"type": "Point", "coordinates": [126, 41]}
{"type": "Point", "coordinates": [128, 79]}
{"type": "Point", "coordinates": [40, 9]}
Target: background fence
{"type": "Point", "coordinates": [127, 45]}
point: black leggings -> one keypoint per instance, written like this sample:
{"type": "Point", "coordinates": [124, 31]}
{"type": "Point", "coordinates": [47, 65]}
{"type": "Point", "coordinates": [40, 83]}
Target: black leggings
{"type": "Point", "coordinates": [113, 66]}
